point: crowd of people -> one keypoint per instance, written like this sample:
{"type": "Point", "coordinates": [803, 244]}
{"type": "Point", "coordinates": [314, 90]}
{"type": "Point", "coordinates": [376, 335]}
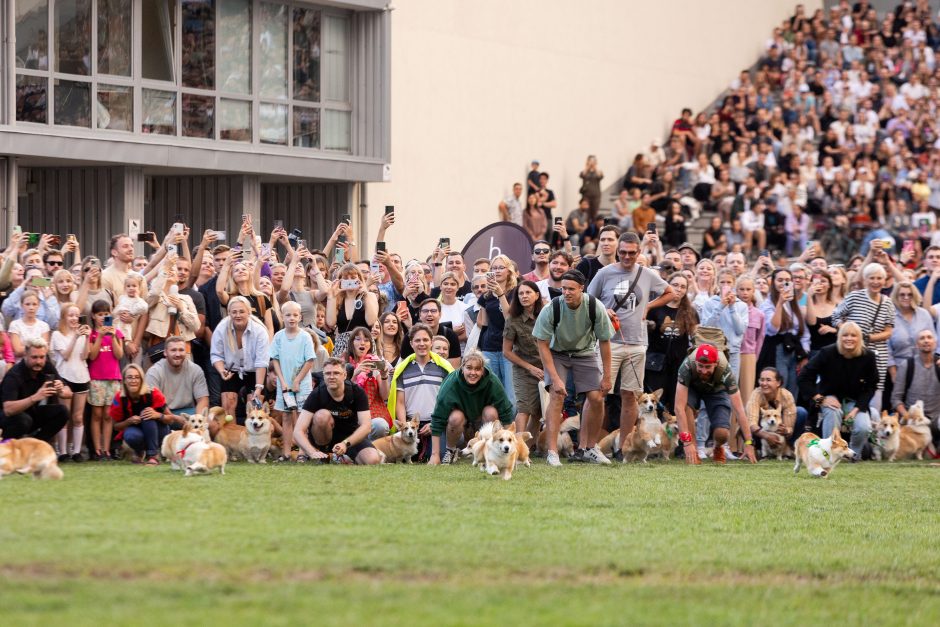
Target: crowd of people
{"type": "Point", "coordinates": [836, 121]}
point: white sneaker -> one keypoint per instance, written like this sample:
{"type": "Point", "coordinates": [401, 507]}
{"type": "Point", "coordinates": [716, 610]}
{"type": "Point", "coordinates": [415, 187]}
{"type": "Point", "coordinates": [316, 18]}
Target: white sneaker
{"type": "Point", "coordinates": [552, 459]}
{"type": "Point", "coordinates": [728, 454]}
{"type": "Point", "coordinates": [702, 453]}
{"type": "Point", "coordinates": [594, 456]}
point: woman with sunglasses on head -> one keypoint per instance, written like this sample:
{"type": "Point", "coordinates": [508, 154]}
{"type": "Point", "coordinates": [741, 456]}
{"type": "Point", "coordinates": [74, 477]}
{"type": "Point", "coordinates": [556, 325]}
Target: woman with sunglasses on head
{"type": "Point", "coordinates": [909, 320]}
{"type": "Point", "coordinates": [90, 289]}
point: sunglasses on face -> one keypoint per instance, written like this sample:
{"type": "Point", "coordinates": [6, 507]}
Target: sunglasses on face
{"type": "Point", "coordinates": [55, 263]}
{"type": "Point", "coordinates": [541, 251]}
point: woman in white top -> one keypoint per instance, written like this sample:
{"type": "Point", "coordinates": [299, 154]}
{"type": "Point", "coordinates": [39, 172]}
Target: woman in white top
{"type": "Point", "coordinates": [752, 222]}
{"type": "Point", "coordinates": [69, 352]}
{"type": "Point", "coordinates": [452, 309]}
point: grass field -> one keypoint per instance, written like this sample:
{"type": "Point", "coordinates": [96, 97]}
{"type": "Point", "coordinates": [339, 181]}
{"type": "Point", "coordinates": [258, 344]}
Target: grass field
{"type": "Point", "coordinates": [287, 545]}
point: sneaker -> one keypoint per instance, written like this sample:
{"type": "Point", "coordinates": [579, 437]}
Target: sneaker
{"type": "Point", "coordinates": [718, 455]}
{"type": "Point", "coordinates": [618, 456]}
{"type": "Point", "coordinates": [552, 459]}
{"type": "Point", "coordinates": [77, 458]}
{"type": "Point", "coordinates": [63, 458]}
{"type": "Point", "coordinates": [577, 457]}
{"type": "Point", "coordinates": [702, 453]}
{"type": "Point", "coordinates": [450, 456]}
{"type": "Point", "coordinates": [729, 455]}
{"type": "Point", "coordinates": [594, 456]}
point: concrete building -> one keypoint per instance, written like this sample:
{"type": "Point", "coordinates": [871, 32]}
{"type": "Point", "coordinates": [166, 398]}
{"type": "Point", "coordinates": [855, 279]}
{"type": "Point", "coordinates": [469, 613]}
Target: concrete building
{"type": "Point", "coordinates": [124, 114]}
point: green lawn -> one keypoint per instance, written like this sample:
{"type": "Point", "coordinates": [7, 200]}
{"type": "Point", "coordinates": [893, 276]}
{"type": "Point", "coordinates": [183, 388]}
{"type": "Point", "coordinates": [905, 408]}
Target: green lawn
{"type": "Point", "coordinates": [659, 544]}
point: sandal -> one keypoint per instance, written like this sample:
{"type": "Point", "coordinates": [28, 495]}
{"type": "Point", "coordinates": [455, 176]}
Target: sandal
{"type": "Point", "coordinates": [302, 459]}
{"type": "Point", "coordinates": [153, 461]}
{"type": "Point", "coordinates": [281, 459]}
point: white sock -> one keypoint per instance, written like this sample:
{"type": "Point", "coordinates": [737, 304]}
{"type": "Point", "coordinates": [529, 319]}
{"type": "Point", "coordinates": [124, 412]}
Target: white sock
{"type": "Point", "coordinates": [78, 434]}
{"type": "Point", "coordinates": [61, 440]}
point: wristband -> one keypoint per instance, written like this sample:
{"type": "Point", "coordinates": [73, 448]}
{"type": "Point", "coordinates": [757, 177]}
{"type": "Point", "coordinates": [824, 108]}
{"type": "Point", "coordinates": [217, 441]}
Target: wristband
{"type": "Point", "coordinates": [685, 436]}
{"type": "Point", "coordinates": [748, 442]}
{"type": "Point", "coordinates": [259, 386]}
{"type": "Point", "coordinates": [438, 264]}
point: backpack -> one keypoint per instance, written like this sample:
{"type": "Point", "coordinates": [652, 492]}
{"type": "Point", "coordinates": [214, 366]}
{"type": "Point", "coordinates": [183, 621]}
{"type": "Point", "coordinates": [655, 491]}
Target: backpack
{"type": "Point", "coordinates": [556, 311]}
{"type": "Point", "coordinates": [710, 335]}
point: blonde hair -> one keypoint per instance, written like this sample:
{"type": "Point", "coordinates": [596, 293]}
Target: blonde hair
{"type": "Point", "coordinates": [743, 278]}
{"type": "Point", "coordinates": [473, 354]}
{"type": "Point", "coordinates": [512, 279]}
{"type": "Point", "coordinates": [915, 294]}
{"type": "Point", "coordinates": [63, 314]}
{"type": "Point", "coordinates": [132, 276]}
{"type": "Point", "coordinates": [854, 328]}
{"type": "Point", "coordinates": [711, 289]}
{"type": "Point", "coordinates": [144, 388]}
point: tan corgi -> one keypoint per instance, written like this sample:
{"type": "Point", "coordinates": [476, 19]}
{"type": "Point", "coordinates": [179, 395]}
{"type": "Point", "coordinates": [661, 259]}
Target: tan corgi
{"type": "Point", "coordinates": [198, 456]}
{"type": "Point", "coordinates": [499, 449]}
{"type": "Point", "coordinates": [915, 435]}
{"type": "Point", "coordinates": [772, 422]}
{"type": "Point", "coordinates": [29, 456]}
{"type": "Point", "coordinates": [258, 430]}
{"type": "Point", "coordinates": [610, 443]}
{"type": "Point", "coordinates": [671, 431]}
{"type": "Point", "coordinates": [522, 449]}
{"type": "Point", "coordinates": [649, 436]}
{"type": "Point", "coordinates": [233, 437]}
{"type": "Point", "coordinates": [402, 445]}
{"type": "Point", "coordinates": [820, 455]}
{"type": "Point", "coordinates": [887, 431]}
{"type": "Point", "coordinates": [196, 422]}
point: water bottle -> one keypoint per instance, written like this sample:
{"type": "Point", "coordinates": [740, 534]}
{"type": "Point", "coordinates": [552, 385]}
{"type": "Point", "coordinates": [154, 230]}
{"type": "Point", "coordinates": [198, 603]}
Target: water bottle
{"type": "Point", "coordinates": [174, 291]}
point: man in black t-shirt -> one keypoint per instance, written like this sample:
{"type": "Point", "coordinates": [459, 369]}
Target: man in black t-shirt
{"type": "Point", "coordinates": [29, 396]}
{"type": "Point", "coordinates": [431, 315]}
{"type": "Point", "coordinates": [336, 418]}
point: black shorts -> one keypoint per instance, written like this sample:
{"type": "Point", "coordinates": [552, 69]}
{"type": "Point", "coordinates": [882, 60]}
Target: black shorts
{"type": "Point", "coordinates": [237, 383]}
{"type": "Point", "coordinates": [352, 452]}
{"type": "Point", "coordinates": [77, 388]}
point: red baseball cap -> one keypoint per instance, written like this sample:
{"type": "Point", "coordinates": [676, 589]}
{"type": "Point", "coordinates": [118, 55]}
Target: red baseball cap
{"type": "Point", "coordinates": [706, 354]}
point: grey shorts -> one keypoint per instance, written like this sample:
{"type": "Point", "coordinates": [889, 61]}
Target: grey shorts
{"type": "Point", "coordinates": [585, 370]}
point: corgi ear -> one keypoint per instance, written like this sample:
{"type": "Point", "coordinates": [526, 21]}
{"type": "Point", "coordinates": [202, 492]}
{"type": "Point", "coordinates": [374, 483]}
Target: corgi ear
{"type": "Point", "coordinates": [525, 435]}
{"type": "Point", "coordinates": [835, 434]}
{"type": "Point", "coordinates": [658, 393]}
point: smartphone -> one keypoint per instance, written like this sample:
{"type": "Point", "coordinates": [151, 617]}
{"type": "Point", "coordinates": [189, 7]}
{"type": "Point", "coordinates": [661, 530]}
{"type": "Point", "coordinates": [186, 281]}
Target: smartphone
{"type": "Point", "coordinates": [50, 378]}
{"type": "Point", "coordinates": [402, 306]}
{"type": "Point", "coordinates": [610, 221]}
{"type": "Point", "coordinates": [301, 243]}
{"type": "Point", "coordinates": [490, 275]}
{"type": "Point", "coordinates": [885, 244]}
{"type": "Point", "coordinates": [724, 291]}
{"type": "Point", "coordinates": [108, 321]}
{"type": "Point", "coordinates": [389, 209]}
{"type": "Point", "coordinates": [32, 239]}
{"type": "Point", "coordinates": [171, 249]}
{"type": "Point", "coordinates": [71, 237]}
{"type": "Point", "coordinates": [339, 255]}
{"type": "Point", "coordinates": [380, 246]}
{"type": "Point", "coordinates": [178, 227]}
{"type": "Point", "coordinates": [265, 249]}
{"type": "Point", "coordinates": [557, 220]}
{"type": "Point", "coordinates": [349, 284]}
{"type": "Point", "coordinates": [279, 224]}
{"type": "Point", "coordinates": [83, 321]}
{"type": "Point", "coordinates": [765, 253]}
{"type": "Point", "coordinates": [375, 268]}
{"type": "Point", "coordinates": [17, 230]}
{"type": "Point", "coordinates": [444, 243]}
{"type": "Point", "coordinates": [651, 227]}
{"type": "Point", "coordinates": [346, 218]}
{"type": "Point", "coordinates": [341, 239]}
{"type": "Point", "coordinates": [145, 237]}
{"type": "Point", "coordinates": [246, 217]}
{"type": "Point", "coordinates": [908, 246]}
{"type": "Point", "coordinates": [575, 251]}
{"type": "Point", "coordinates": [40, 281]}
{"type": "Point", "coordinates": [220, 235]}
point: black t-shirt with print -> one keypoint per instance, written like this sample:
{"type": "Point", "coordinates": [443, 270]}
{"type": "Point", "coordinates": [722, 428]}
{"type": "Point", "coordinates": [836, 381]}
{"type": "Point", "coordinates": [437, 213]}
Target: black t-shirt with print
{"type": "Point", "coordinates": [345, 412]}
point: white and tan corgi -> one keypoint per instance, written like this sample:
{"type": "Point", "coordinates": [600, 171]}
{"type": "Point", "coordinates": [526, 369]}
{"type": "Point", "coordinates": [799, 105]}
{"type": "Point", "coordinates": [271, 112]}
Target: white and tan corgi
{"type": "Point", "coordinates": [887, 437]}
{"type": "Point", "coordinates": [258, 430]}
{"type": "Point", "coordinates": [233, 437]}
{"type": "Point", "coordinates": [402, 445]}
{"type": "Point", "coordinates": [771, 421]}
{"type": "Point", "coordinates": [198, 456]}
{"type": "Point", "coordinates": [915, 434]}
{"type": "Point", "coordinates": [196, 422]}
{"type": "Point", "coordinates": [649, 435]}
{"type": "Point", "coordinates": [29, 456]}
{"type": "Point", "coordinates": [820, 455]}
{"type": "Point", "coordinates": [565, 444]}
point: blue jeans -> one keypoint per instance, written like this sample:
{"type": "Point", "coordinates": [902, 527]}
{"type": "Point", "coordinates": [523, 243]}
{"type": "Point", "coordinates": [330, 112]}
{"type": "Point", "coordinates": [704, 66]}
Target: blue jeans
{"type": "Point", "coordinates": [861, 427]}
{"type": "Point", "coordinates": [146, 437]}
{"type": "Point", "coordinates": [502, 368]}
{"type": "Point", "coordinates": [799, 427]}
{"type": "Point", "coordinates": [785, 363]}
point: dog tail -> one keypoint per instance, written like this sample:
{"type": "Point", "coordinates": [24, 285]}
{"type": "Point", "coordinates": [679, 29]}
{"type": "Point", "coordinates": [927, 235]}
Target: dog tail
{"type": "Point", "coordinates": [52, 471]}
{"type": "Point", "coordinates": [488, 430]}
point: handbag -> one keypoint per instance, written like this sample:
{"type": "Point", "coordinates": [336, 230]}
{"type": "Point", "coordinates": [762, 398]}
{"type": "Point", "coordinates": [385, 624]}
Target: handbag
{"type": "Point", "coordinates": [655, 362]}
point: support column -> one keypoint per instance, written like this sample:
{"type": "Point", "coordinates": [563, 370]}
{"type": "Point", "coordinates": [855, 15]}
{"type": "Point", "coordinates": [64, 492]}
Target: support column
{"type": "Point", "coordinates": [9, 186]}
{"type": "Point", "coordinates": [127, 194]}
{"type": "Point", "coordinates": [246, 198]}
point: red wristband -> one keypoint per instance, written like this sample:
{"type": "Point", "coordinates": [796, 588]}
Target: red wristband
{"type": "Point", "coordinates": [685, 436]}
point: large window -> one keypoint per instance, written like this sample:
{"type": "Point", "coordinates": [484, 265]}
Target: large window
{"type": "Point", "coordinates": [248, 71]}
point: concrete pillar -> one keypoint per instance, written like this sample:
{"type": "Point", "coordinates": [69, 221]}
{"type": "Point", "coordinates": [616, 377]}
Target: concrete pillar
{"type": "Point", "coordinates": [127, 203]}
{"type": "Point", "coordinates": [246, 198]}
{"type": "Point", "coordinates": [9, 185]}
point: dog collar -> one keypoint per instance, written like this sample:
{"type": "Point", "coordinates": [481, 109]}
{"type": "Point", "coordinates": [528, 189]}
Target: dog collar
{"type": "Point", "coordinates": [669, 431]}
{"type": "Point", "coordinates": [182, 451]}
{"type": "Point", "coordinates": [5, 440]}
{"type": "Point", "coordinates": [815, 442]}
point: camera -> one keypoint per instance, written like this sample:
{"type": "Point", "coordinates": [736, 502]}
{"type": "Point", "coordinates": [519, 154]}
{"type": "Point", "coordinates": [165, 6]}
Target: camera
{"type": "Point", "coordinates": [290, 400]}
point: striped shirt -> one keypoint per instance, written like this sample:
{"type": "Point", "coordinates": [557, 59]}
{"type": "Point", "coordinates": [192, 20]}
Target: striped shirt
{"type": "Point", "coordinates": [859, 308]}
{"type": "Point", "coordinates": [420, 386]}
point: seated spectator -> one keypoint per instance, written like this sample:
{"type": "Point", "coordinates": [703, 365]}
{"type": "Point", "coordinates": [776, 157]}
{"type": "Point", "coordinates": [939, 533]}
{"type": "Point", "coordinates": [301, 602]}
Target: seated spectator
{"type": "Point", "coordinates": [141, 417]}
{"type": "Point", "coordinates": [842, 379]}
{"type": "Point", "coordinates": [371, 373]}
{"type": "Point", "coordinates": [185, 383]}
{"type": "Point", "coordinates": [336, 419]}
{"type": "Point", "coordinates": [27, 395]}
{"type": "Point", "coordinates": [770, 393]}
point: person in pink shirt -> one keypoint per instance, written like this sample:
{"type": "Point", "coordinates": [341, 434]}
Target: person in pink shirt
{"type": "Point", "coordinates": [753, 336]}
{"type": "Point", "coordinates": [105, 350]}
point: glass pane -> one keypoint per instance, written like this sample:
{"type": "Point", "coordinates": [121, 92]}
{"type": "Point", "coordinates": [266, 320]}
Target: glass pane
{"type": "Point", "coordinates": [198, 44]}
{"type": "Point", "coordinates": [273, 121]}
{"type": "Point", "coordinates": [198, 115]}
{"type": "Point", "coordinates": [159, 114]}
{"type": "Point", "coordinates": [335, 58]}
{"type": "Point", "coordinates": [307, 54]}
{"type": "Point", "coordinates": [73, 37]}
{"type": "Point", "coordinates": [306, 127]}
{"type": "Point", "coordinates": [72, 103]}
{"type": "Point", "coordinates": [235, 46]}
{"type": "Point", "coordinates": [235, 120]}
{"type": "Point", "coordinates": [114, 37]}
{"type": "Point", "coordinates": [32, 36]}
{"type": "Point", "coordinates": [272, 42]}
{"type": "Point", "coordinates": [31, 99]}
{"type": "Point", "coordinates": [157, 40]}
{"type": "Point", "coordinates": [336, 130]}
{"type": "Point", "coordinates": [115, 108]}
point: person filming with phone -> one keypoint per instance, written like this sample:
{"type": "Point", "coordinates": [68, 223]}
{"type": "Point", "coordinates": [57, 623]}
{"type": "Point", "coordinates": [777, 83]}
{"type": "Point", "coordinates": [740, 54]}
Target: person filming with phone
{"type": "Point", "coordinates": [28, 396]}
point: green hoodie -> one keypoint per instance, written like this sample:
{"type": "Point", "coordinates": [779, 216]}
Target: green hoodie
{"type": "Point", "coordinates": [456, 393]}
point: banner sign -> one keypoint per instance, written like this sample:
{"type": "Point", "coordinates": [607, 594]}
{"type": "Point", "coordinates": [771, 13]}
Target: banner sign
{"type": "Point", "coordinates": [500, 238]}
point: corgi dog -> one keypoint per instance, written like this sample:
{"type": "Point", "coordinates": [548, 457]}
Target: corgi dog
{"type": "Point", "coordinates": [499, 449]}
{"type": "Point", "coordinates": [772, 422]}
{"type": "Point", "coordinates": [257, 440]}
{"type": "Point", "coordinates": [565, 444]}
{"type": "Point", "coordinates": [915, 435]}
{"type": "Point", "coordinates": [820, 455]}
{"type": "Point", "coordinates": [671, 435]}
{"type": "Point", "coordinates": [217, 418]}
{"type": "Point", "coordinates": [402, 445]}
{"type": "Point", "coordinates": [475, 448]}
{"type": "Point", "coordinates": [649, 436]}
{"type": "Point", "coordinates": [233, 437]}
{"type": "Point", "coordinates": [196, 422]}
{"type": "Point", "coordinates": [610, 443]}
{"type": "Point", "coordinates": [522, 449]}
{"type": "Point", "coordinates": [887, 437]}
{"type": "Point", "coordinates": [198, 456]}
{"type": "Point", "coordinates": [29, 456]}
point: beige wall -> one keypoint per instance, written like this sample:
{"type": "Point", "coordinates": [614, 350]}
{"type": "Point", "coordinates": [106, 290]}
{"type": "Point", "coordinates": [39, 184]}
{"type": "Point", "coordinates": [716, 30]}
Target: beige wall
{"type": "Point", "coordinates": [481, 87]}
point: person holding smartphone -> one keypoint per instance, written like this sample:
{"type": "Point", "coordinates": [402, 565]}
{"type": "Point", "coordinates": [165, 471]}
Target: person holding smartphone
{"type": "Point", "coordinates": [27, 396]}
{"type": "Point", "coordinates": [371, 373]}
{"type": "Point", "coordinates": [105, 351]}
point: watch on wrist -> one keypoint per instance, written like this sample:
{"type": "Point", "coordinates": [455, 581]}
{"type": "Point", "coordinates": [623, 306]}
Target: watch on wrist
{"type": "Point", "coordinates": [347, 444]}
